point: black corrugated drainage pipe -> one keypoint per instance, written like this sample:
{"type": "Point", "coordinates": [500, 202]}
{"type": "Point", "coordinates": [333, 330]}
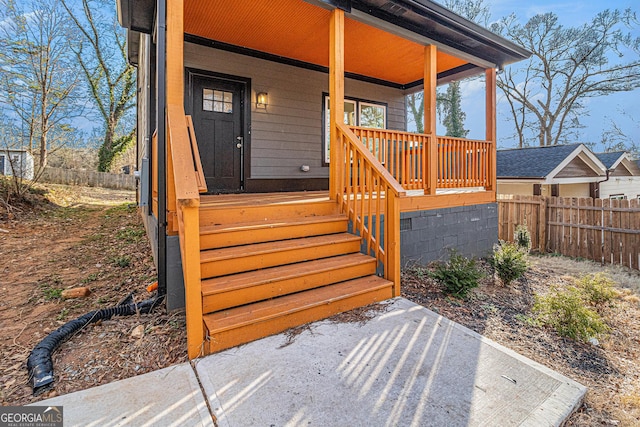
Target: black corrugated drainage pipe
{"type": "Point", "coordinates": [39, 363]}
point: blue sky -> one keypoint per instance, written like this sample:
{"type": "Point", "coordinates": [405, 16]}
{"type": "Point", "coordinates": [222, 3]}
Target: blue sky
{"type": "Point", "coordinates": [601, 110]}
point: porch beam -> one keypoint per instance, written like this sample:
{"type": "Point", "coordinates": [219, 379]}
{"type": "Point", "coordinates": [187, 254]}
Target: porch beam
{"type": "Point", "coordinates": [430, 171]}
{"type": "Point", "coordinates": [490, 111]}
{"type": "Point", "coordinates": [336, 96]}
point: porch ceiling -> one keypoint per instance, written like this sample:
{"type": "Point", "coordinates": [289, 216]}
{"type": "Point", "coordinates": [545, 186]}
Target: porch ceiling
{"type": "Point", "coordinates": [298, 30]}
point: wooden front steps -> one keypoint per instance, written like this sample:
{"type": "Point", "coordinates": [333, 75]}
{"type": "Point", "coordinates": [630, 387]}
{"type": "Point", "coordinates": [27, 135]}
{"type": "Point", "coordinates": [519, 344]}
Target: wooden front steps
{"type": "Point", "coordinates": [274, 262]}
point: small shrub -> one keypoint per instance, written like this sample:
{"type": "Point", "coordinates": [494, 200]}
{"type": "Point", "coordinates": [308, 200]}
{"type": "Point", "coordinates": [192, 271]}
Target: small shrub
{"type": "Point", "coordinates": [457, 276]}
{"type": "Point", "coordinates": [522, 237]}
{"type": "Point", "coordinates": [597, 289]}
{"type": "Point", "coordinates": [510, 262]}
{"type": "Point", "coordinates": [567, 312]}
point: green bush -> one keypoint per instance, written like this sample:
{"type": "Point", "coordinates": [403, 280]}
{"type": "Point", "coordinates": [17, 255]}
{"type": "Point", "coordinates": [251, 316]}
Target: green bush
{"type": "Point", "coordinates": [568, 313]}
{"type": "Point", "coordinates": [510, 262]}
{"type": "Point", "coordinates": [457, 276]}
{"type": "Point", "coordinates": [522, 237]}
{"type": "Point", "coordinates": [597, 289]}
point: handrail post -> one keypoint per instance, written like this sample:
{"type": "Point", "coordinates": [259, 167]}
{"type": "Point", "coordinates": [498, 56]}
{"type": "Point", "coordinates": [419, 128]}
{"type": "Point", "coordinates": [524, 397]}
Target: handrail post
{"type": "Point", "coordinates": [191, 271]}
{"type": "Point", "coordinates": [392, 250]}
{"type": "Point", "coordinates": [185, 197]}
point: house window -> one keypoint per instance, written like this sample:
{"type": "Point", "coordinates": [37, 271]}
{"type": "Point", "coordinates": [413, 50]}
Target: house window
{"type": "Point", "coordinates": [357, 112]}
{"type": "Point", "coordinates": [1, 164]}
{"type": "Point", "coordinates": [218, 101]}
{"type": "Point", "coordinates": [555, 190]}
{"type": "Point", "coordinates": [537, 189]}
{"type": "Point", "coordinates": [372, 115]}
{"type": "Point", "coordinates": [617, 197]}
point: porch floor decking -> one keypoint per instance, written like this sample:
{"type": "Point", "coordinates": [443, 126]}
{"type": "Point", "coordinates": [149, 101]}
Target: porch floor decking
{"type": "Point", "coordinates": [287, 198]}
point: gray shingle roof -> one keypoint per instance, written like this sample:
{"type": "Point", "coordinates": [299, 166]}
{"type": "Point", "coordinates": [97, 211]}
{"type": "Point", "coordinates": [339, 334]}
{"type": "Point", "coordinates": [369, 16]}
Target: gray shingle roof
{"type": "Point", "coordinates": [609, 158]}
{"type": "Point", "coordinates": [535, 162]}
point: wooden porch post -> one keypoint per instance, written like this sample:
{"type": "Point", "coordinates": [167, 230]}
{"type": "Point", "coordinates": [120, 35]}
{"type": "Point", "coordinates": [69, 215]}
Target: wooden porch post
{"type": "Point", "coordinates": [190, 244]}
{"type": "Point", "coordinates": [490, 74]}
{"type": "Point", "coordinates": [336, 97]}
{"type": "Point", "coordinates": [430, 81]}
{"type": "Point", "coordinates": [174, 90]}
{"type": "Point", "coordinates": [175, 54]}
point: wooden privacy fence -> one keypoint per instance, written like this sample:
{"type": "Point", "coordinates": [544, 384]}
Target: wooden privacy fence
{"type": "Point", "coordinates": [602, 230]}
{"type": "Point", "coordinates": [88, 178]}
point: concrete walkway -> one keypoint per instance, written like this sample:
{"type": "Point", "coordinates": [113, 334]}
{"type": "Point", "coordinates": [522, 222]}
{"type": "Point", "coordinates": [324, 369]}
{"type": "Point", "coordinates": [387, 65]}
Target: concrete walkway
{"type": "Point", "coordinates": [406, 366]}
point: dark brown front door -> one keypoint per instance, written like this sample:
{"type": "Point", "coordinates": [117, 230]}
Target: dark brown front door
{"type": "Point", "coordinates": [217, 115]}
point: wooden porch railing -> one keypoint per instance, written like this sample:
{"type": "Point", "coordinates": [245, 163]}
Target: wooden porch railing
{"type": "Point", "coordinates": [463, 162]}
{"type": "Point", "coordinates": [184, 184]}
{"type": "Point", "coordinates": [403, 154]}
{"type": "Point", "coordinates": [370, 198]}
{"type": "Point", "coordinates": [460, 162]}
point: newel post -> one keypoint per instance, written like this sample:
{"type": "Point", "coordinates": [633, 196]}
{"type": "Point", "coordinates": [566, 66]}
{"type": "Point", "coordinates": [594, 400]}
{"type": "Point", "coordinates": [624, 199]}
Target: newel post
{"type": "Point", "coordinates": [430, 168]}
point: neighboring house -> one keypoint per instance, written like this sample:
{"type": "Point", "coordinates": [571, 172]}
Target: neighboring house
{"type": "Point", "coordinates": [16, 162]}
{"type": "Point", "coordinates": [278, 182]}
{"type": "Point", "coordinates": [559, 170]}
{"type": "Point", "coordinates": [623, 176]}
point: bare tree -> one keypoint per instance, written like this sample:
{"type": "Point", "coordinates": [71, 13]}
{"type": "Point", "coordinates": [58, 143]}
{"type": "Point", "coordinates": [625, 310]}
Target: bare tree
{"type": "Point", "coordinates": [39, 77]}
{"type": "Point", "coordinates": [415, 104]}
{"type": "Point", "coordinates": [449, 101]}
{"type": "Point", "coordinates": [110, 78]}
{"type": "Point", "coordinates": [568, 65]}
{"type": "Point", "coordinates": [614, 138]}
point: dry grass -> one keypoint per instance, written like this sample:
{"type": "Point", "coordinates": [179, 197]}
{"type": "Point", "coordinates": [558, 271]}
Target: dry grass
{"type": "Point", "coordinates": [623, 276]}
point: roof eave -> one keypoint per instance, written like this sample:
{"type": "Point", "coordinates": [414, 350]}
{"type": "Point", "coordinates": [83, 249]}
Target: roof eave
{"type": "Point", "coordinates": [484, 44]}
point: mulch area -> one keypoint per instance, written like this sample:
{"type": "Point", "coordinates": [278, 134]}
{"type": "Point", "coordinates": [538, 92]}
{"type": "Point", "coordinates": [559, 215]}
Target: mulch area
{"type": "Point", "coordinates": [610, 369]}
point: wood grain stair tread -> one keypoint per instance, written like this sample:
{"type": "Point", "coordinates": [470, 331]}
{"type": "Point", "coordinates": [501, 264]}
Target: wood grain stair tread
{"type": "Point", "coordinates": [277, 223]}
{"type": "Point", "coordinates": [235, 252]}
{"type": "Point", "coordinates": [288, 305]}
{"type": "Point", "coordinates": [281, 273]}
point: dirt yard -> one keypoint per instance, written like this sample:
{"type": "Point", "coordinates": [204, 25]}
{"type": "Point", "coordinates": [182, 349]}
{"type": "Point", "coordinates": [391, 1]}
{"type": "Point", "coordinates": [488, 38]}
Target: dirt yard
{"type": "Point", "coordinates": [610, 370]}
{"type": "Point", "coordinates": [86, 237]}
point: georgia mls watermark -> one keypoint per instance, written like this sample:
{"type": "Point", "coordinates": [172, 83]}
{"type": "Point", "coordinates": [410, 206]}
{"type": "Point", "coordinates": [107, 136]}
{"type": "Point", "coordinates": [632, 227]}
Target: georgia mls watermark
{"type": "Point", "coordinates": [31, 416]}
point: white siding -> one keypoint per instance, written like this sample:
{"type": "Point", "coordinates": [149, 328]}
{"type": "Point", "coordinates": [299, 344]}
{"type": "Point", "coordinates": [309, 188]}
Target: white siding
{"type": "Point", "coordinates": [627, 185]}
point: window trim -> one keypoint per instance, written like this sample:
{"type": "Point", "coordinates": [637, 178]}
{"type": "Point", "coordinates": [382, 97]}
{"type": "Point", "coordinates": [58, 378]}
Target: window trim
{"type": "Point", "coordinates": [619, 196]}
{"type": "Point", "coordinates": [357, 101]}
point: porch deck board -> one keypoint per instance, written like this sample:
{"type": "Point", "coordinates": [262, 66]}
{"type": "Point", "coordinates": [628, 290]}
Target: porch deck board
{"type": "Point", "coordinates": [444, 197]}
{"type": "Point", "coordinates": [258, 199]}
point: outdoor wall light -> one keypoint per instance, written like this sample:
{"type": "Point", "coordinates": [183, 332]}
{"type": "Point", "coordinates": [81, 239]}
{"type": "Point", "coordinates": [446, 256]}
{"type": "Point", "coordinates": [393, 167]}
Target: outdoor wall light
{"type": "Point", "coordinates": [262, 100]}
